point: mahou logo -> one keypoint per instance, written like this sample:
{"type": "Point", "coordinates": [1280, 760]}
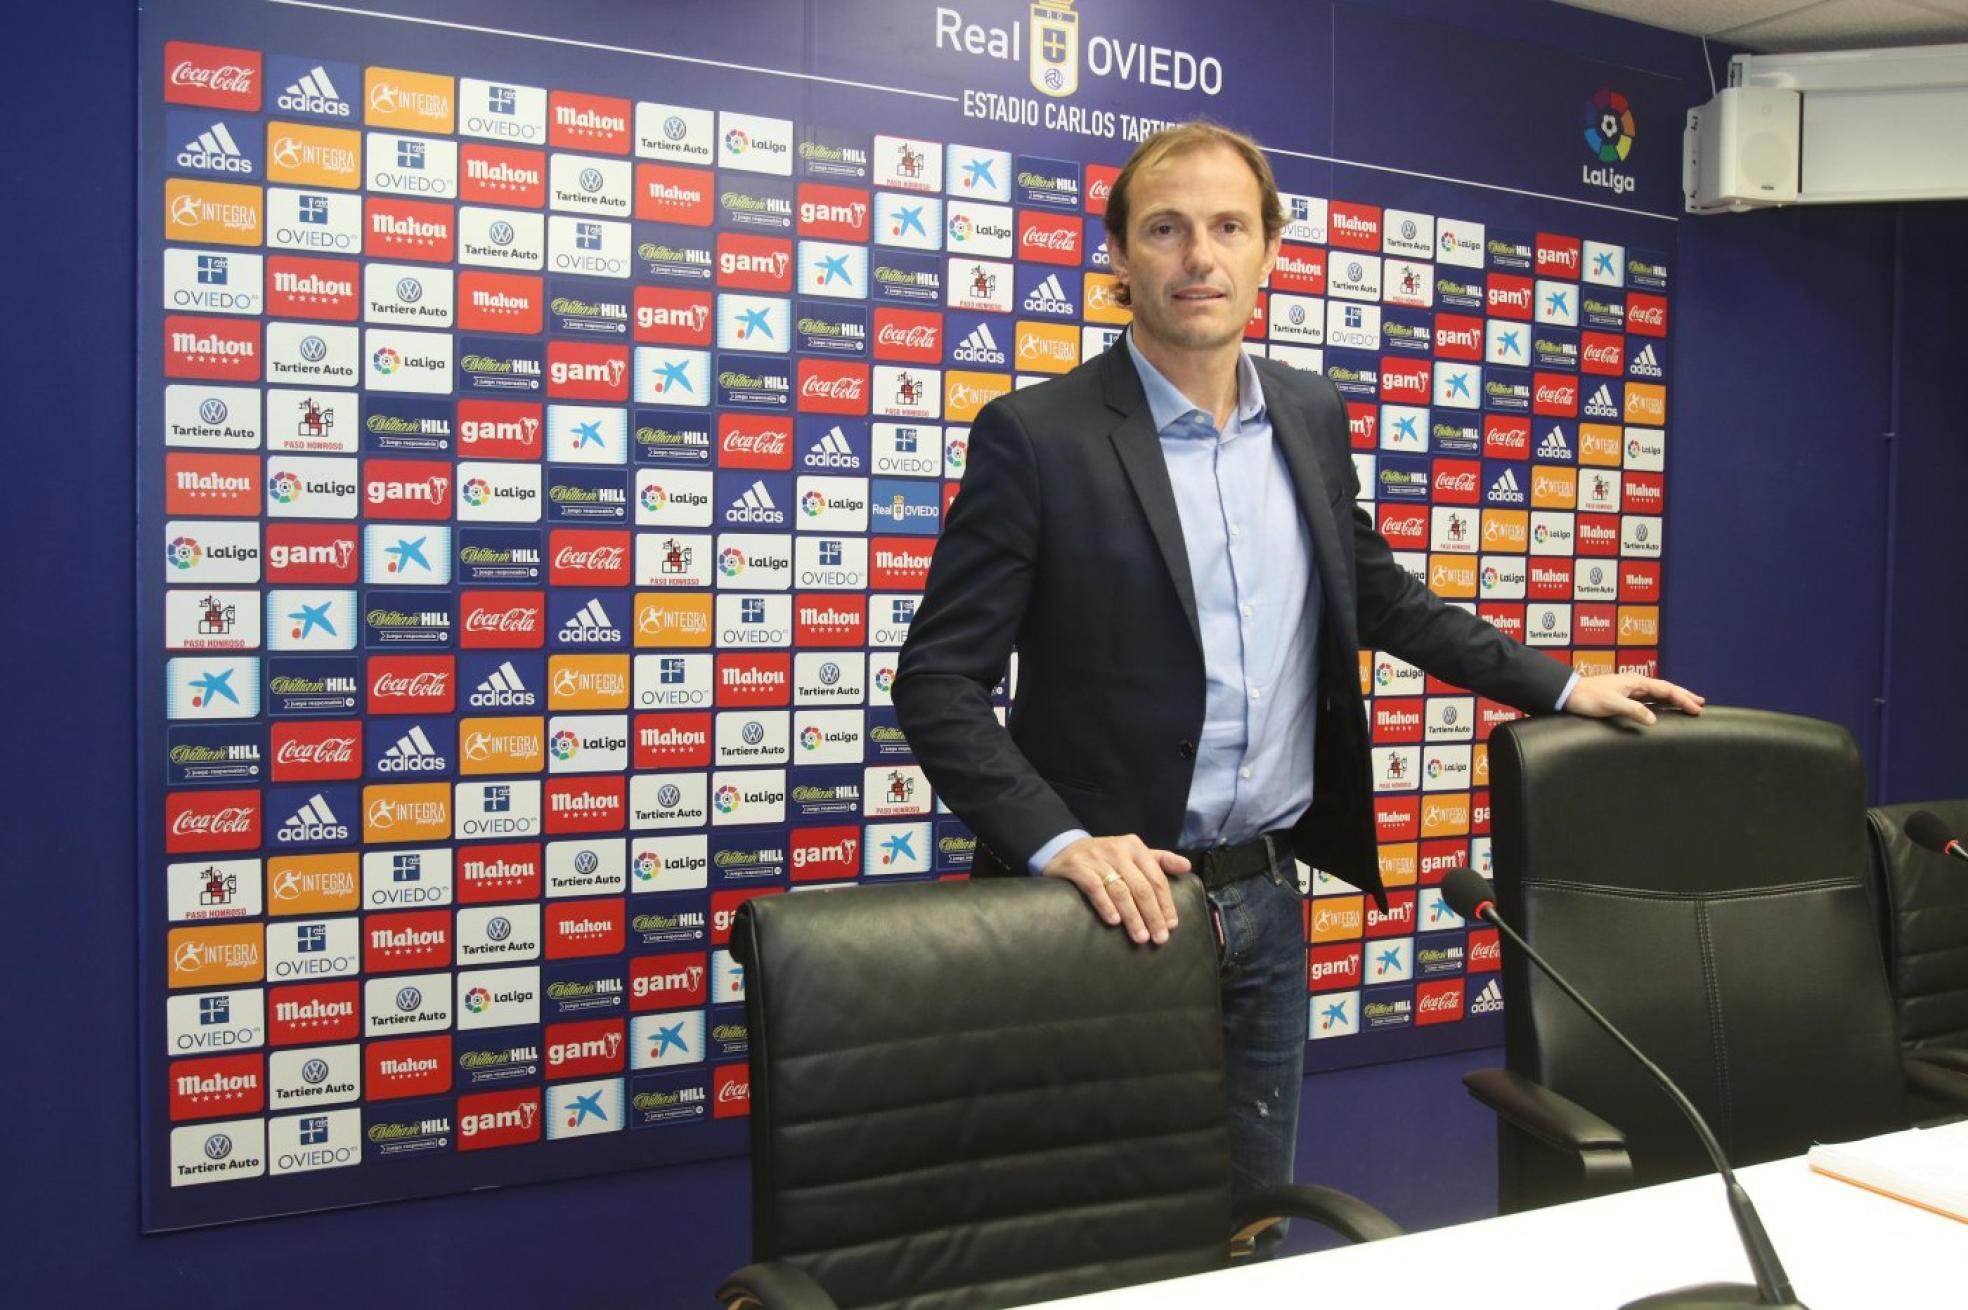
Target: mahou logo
{"type": "Point", "coordinates": [757, 679]}
{"type": "Point", "coordinates": [219, 1085]}
{"type": "Point", "coordinates": [311, 288]}
{"type": "Point", "coordinates": [579, 929]}
{"type": "Point", "coordinates": [499, 302]}
{"type": "Point", "coordinates": [1300, 270]}
{"type": "Point", "coordinates": [328, 751]}
{"type": "Point", "coordinates": [509, 620]}
{"type": "Point", "coordinates": [665, 193]}
{"type": "Point", "coordinates": [832, 387]}
{"type": "Point", "coordinates": [912, 336]}
{"type": "Point", "coordinates": [216, 76]}
{"type": "Point", "coordinates": [584, 122]}
{"type": "Point", "coordinates": [201, 346]}
{"type": "Point", "coordinates": [900, 563]}
{"type": "Point", "coordinates": [491, 1119]}
{"type": "Point", "coordinates": [673, 741]}
{"type": "Point", "coordinates": [588, 559]}
{"type": "Point", "coordinates": [501, 175]}
{"type": "Point", "coordinates": [499, 429]}
{"type": "Point", "coordinates": [313, 1013]}
{"type": "Point", "coordinates": [586, 804]}
{"type": "Point", "coordinates": [409, 1066]}
{"type": "Point", "coordinates": [506, 871]}
{"type": "Point", "coordinates": [412, 684]}
{"type": "Point", "coordinates": [408, 229]}
{"type": "Point", "coordinates": [752, 441]}
{"type": "Point", "coordinates": [581, 370]}
{"type": "Point", "coordinates": [212, 821]}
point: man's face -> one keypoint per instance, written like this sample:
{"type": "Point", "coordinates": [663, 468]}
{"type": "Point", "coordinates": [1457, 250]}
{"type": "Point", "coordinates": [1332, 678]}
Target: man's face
{"type": "Point", "coordinates": [1195, 249]}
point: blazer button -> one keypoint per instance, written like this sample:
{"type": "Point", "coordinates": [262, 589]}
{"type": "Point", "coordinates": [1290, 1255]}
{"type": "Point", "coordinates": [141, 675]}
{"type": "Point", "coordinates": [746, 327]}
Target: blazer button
{"type": "Point", "coordinates": [1186, 749]}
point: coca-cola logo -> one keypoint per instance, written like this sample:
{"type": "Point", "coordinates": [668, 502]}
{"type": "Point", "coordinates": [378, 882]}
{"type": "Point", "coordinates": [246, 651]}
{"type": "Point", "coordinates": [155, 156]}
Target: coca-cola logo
{"type": "Point", "coordinates": [328, 750]}
{"type": "Point", "coordinates": [228, 79]}
{"type": "Point", "coordinates": [765, 442]}
{"type": "Point", "coordinates": [1057, 238]}
{"type": "Point", "coordinates": [592, 559]}
{"type": "Point", "coordinates": [418, 685]}
{"type": "Point", "coordinates": [1465, 481]}
{"type": "Point", "coordinates": [735, 1093]}
{"type": "Point", "coordinates": [519, 618]}
{"type": "Point", "coordinates": [919, 336]}
{"type": "Point", "coordinates": [230, 819]}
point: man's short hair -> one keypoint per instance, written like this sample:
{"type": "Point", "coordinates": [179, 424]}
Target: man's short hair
{"type": "Point", "coordinates": [1182, 138]}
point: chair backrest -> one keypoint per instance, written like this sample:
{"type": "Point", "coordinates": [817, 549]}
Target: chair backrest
{"type": "Point", "coordinates": [1703, 881]}
{"type": "Point", "coordinates": [1926, 926]}
{"type": "Point", "coordinates": [972, 1094]}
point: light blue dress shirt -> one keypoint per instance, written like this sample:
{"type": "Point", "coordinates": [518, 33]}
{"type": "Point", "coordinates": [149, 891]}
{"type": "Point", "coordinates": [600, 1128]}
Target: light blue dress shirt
{"type": "Point", "coordinates": [1258, 605]}
{"type": "Point", "coordinates": [1258, 608]}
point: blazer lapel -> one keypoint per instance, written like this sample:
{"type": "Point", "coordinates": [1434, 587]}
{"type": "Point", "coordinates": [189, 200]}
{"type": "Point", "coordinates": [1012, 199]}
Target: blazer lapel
{"type": "Point", "coordinates": [1291, 429]}
{"type": "Point", "coordinates": [1140, 451]}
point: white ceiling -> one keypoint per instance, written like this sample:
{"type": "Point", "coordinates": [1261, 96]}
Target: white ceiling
{"type": "Point", "coordinates": [1788, 26]}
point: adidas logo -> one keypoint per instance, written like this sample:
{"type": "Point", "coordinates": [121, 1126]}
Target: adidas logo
{"type": "Point", "coordinates": [1645, 364]}
{"type": "Point", "coordinates": [215, 151]}
{"type": "Point", "coordinates": [1048, 297]}
{"type": "Point", "coordinates": [413, 753]}
{"type": "Point", "coordinates": [980, 347]}
{"type": "Point", "coordinates": [313, 822]}
{"type": "Point", "coordinates": [590, 624]}
{"type": "Point", "coordinates": [1600, 403]}
{"type": "Point", "coordinates": [1554, 445]}
{"type": "Point", "coordinates": [1506, 490]}
{"type": "Point", "coordinates": [503, 688]}
{"type": "Point", "coordinates": [1489, 1000]}
{"type": "Point", "coordinates": [755, 506]}
{"type": "Point", "coordinates": [314, 93]}
{"type": "Point", "coordinates": [832, 452]}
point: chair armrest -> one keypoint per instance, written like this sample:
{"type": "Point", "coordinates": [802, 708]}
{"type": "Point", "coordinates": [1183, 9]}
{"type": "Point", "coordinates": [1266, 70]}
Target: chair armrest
{"type": "Point", "coordinates": [1938, 1072]}
{"type": "Point", "coordinates": [773, 1285]}
{"type": "Point", "coordinates": [1342, 1212]}
{"type": "Point", "coordinates": [1555, 1120]}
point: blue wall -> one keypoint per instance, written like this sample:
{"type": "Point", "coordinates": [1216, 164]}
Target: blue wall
{"type": "Point", "coordinates": [1777, 555]}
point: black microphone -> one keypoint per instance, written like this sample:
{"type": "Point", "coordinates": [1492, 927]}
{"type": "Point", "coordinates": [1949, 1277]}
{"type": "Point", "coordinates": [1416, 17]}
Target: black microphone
{"type": "Point", "coordinates": [1468, 894]}
{"type": "Point", "coordinates": [1925, 830]}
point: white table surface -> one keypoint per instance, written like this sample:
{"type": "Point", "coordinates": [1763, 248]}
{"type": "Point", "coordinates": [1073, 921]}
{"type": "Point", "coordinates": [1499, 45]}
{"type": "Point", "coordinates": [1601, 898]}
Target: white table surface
{"type": "Point", "coordinates": [1844, 1248]}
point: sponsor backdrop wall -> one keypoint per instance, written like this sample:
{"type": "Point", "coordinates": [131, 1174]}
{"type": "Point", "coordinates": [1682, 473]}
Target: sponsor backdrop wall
{"type": "Point", "coordinates": [1773, 605]}
{"type": "Point", "coordinates": [542, 444]}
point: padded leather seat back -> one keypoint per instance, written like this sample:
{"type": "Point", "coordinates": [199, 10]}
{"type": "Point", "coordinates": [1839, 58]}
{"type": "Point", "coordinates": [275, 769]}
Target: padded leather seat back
{"type": "Point", "coordinates": [1926, 916]}
{"type": "Point", "coordinates": [1703, 882]}
{"type": "Point", "coordinates": [974, 1094]}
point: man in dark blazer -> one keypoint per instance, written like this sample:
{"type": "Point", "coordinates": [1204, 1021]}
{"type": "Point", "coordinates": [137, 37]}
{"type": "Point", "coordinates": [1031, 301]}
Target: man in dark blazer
{"type": "Point", "coordinates": [1169, 537]}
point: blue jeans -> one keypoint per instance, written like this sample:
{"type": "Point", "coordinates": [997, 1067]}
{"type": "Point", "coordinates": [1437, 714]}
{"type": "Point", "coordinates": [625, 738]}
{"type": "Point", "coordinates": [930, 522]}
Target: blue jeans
{"type": "Point", "coordinates": [1260, 929]}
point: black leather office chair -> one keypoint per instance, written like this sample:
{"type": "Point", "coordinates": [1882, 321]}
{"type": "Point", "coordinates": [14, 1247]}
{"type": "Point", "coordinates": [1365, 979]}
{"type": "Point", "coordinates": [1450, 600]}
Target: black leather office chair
{"type": "Point", "coordinates": [1703, 881]}
{"type": "Point", "coordinates": [973, 1094]}
{"type": "Point", "coordinates": [1925, 931]}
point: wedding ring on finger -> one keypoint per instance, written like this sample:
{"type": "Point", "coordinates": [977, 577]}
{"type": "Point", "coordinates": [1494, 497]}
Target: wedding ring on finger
{"type": "Point", "coordinates": [1110, 879]}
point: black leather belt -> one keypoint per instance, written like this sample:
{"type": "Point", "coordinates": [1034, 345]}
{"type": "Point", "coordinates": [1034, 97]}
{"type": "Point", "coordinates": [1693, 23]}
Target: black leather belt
{"type": "Point", "coordinates": [1219, 866]}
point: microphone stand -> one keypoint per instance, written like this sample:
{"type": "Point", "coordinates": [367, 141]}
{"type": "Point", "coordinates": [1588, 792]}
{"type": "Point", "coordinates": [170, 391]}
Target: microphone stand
{"type": "Point", "coordinates": [1772, 1286]}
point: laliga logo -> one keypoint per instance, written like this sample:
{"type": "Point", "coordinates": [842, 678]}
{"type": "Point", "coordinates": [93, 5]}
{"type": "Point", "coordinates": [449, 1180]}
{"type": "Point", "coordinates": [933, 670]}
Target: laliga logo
{"type": "Point", "coordinates": [647, 866]}
{"type": "Point", "coordinates": [727, 799]}
{"type": "Point", "coordinates": [563, 745]}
